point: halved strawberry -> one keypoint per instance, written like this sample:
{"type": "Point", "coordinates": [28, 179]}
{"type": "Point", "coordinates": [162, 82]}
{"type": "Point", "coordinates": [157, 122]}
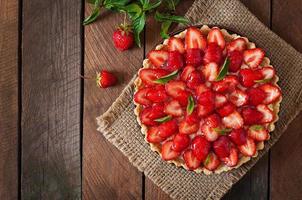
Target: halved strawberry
{"type": "Point", "coordinates": [194, 80]}
{"type": "Point", "coordinates": [227, 109]}
{"type": "Point", "coordinates": [251, 116]}
{"type": "Point", "coordinates": [140, 97]}
{"type": "Point", "coordinates": [194, 57]}
{"type": "Point", "coordinates": [157, 111]}
{"type": "Point", "coordinates": [273, 93]}
{"type": "Point", "coordinates": [182, 97]}
{"type": "Point", "coordinates": [238, 136]}
{"type": "Point", "coordinates": [168, 128]}
{"type": "Point", "coordinates": [167, 152]}
{"type": "Point", "coordinates": [236, 59]}
{"type": "Point", "coordinates": [256, 96]}
{"type": "Point", "coordinates": [152, 135]}
{"type": "Point", "coordinates": [233, 120]}
{"type": "Point", "coordinates": [232, 159]}
{"type": "Point", "coordinates": [213, 53]}
{"type": "Point", "coordinates": [238, 44]}
{"type": "Point", "coordinates": [186, 72]}
{"type": "Point", "coordinates": [210, 71]}
{"type": "Point", "coordinates": [222, 146]}
{"type": "Point", "coordinates": [201, 89]}
{"type": "Point", "coordinates": [173, 108]}
{"type": "Point", "coordinates": [175, 61]}
{"type": "Point", "coordinates": [190, 159]}
{"type": "Point", "coordinates": [204, 110]}
{"type": "Point", "coordinates": [176, 44]}
{"type": "Point", "coordinates": [158, 57]}
{"type": "Point", "coordinates": [200, 147]}
{"type": "Point", "coordinates": [229, 83]}
{"type": "Point", "coordinates": [249, 148]}
{"type": "Point", "coordinates": [207, 97]}
{"type": "Point", "coordinates": [174, 87]}
{"type": "Point", "coordinates": [213, 121]}
{"type": "Point", "coordinates": [180, 142]}
{"type": "Point", "coordinates": [267, 72]}
{"type": "Point", "coordinates": [268, 115]}
{"type": "Point", "coordinates": [188, 127]}
{"type": "Point", "coordinates": [145, 117]}
{"type": "Point", "coordinates": [253, 57]}
{"type": "Point", "coordinates": [157, 94]}
{"type": "Point", "coordinates": [195, 39]}
{"type": "Point", "coordinates": [148, 76]}
{"type": "Point", "coordinates": [238, 98]}
{"type": "Point", "coordinates": [258, 133]}
{"type": "Point", "coordinates": [248, 77]}
{"type": "Point", "coordinates": [211, 162]}
{"type": "Point", "coordinates": [209, 133]}
{"type": "Point", "coordinates": [216, 36]}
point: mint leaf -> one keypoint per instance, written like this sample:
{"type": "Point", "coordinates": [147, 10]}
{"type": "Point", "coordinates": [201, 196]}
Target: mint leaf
{"type": "Point", "coordinates": [161, 17]}
{"type": "Point", "coordinates": [151, 6]}
{"type": "Point", "coordinates": [166, 78]}
{"type": "Point", "coordinates": [163, 119]}
{"type": "Point", "coordinates": [115, 4]}
{"type": "Point", "coordinates": [256, 127]}
{"type": "Point", "coordinates": [171, 4]}
{"type": "Point", "coordinates": [138, 26]}
{"type": "Point", "coordinates": [222, 131]}
{"type": "Point", "coordinates": [224, 70]}
{"type": "Point", "coordinates": [207, 161]}
{"type": "Point", "coordinates": [164, 29]}
{"type": "Point", "coordinates": [92, 17]}
{"type": "Point", "coordinates": [191, 105]}
{"type": "Point", "coordinates": [263, 80]}
{"type": "Point", "coordinates": [133, 10]}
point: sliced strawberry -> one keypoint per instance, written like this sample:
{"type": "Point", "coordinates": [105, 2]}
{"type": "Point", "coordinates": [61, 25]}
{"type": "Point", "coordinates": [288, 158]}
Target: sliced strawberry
{"type": "Point", "coordinates": [180, 142]}
{"type": "Point", "coordinates": [248, 77]}
{"type": "Point", "coordinates": [152, 135]}
{"type": "Point", "coordinates": [256, 96]}
{"type": "Point", "coordinates": [145, 117]}
{"type": "Point", "coordinates": [238, 44]}
{"type": "Point", "coordinates": [258, 133]}
{"type": "Point", "coordinates": [249, 148]}
{"type": "Point", "coordinates": [204, 110]}
{"type": "Point", "coordinates": [227, 109]}
{"type": "Point", "coordinates": [166, 151]}
{"type": "Point", "coordinates": [194, 80]}
{"type": "Point", "coordinates": [216, 36]}
{"type": "Point", "coordinates": [268, 72]}
{"type": "Point", "coordinates": [268, 115]}
{"type": "Point", "coordinates": [188, 127]}
{"type": "Point", "coordinates": [210, 71]}
{"type": "Point", "coordinates": [168, 128]}
{"type": "Point", "coordinates": [253, 57]}
{"type": "Point", "coordinates": [209, 133]}
{"type": "Point", "coordinates": [200, 147]}
{"type": "Point", "coordinates": [140, 97]}
{"type": "Point", "coordinates": [251, 116]}
{"type": "Point", "coordinates": [186, 72]}
{"type": "Point", "coordinates": [157, 111]}
{"type": "Point", "coordinates": [213, 121]}
{"type": "Point", "coordinates": [158, 57]}
{"type": "Point", "coordinates": [148, 76]}
{"type": "Point", "coordinates": [232, 159]}
{"type": "Point", "coordinates": [238, 136]}
{"type": "Point", "coordinates": [175, 61]}
{"type": "Point", "coordinates": [213, 53]}
{"type": "Point", "coordinates": [222, 146]}
{"type": "Point", "coordinates": [174, 87]}
{"type": "Point", "coordinates": [233, 120]}
{"type": "Point", "coordinates": [182, 97]}
{"type": "Point", "coordinates": [229, 83]}
{"type": "Point", "coordinates": [238, 98]}
{"type": "Point", "coordinates": [176, 44]}
{"type": "Point", "coordinates": [190, 159]}
{"type": "Point", "coordinates": [173, 108]}
{"type": "Point", "coordinates": [195, 39]}
{"type": "Point", "coordinates": [211, 162]}
{"type": "Point", "coordinates": [157, 94]}
{"type": "Point", "coordinates": [201, 89]}
{"type": "Point", "coordinates": [236, 59]}
{"type": "Point", "coordinates": [273, 93]}
{"type": "Point", "coordinates": [207, 97]}
{"type": "Point", "coordinates": [194, 57]}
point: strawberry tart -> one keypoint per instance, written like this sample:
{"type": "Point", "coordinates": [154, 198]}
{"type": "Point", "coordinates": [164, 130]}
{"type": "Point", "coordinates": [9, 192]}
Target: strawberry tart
{"type": "Point", "coordinates": [207, 100]}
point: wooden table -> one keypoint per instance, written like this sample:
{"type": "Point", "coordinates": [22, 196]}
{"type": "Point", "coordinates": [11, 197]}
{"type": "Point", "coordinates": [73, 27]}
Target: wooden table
{"type": "Point", "coordinates": [49, 146]}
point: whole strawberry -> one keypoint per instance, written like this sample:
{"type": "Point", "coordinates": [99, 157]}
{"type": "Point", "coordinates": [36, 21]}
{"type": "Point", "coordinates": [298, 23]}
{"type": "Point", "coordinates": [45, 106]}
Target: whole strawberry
{"type": "Point", "coordinates": [105, 79]}
{"type": "Point", "coordinates": [123, 37]}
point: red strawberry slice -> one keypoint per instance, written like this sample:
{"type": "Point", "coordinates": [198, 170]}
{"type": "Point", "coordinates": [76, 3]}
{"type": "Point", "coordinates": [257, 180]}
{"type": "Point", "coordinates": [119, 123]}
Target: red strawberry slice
{"type": "Point", "coordinates": [176, 44]}
{"type": "Point", "coordinates": [213, 53]}
{"type": "Point", "coordinates": [173, 108]}
{"type": "Point", "coordinates": [268, 115]}
{"type": "Point", "coordinates": [204, 110]}
{"type": "Point", "coordinates": [267, 72]}
{"type": "Point", "coordinates": [152, 135]}
{"type": "Point", "coordinates": [194, 57]}
{"type": "Point", "coordinates": [157, 111]}
{"type": "Point", "coordinates": [249, 148]}
{"type": "Point", "coordinates": [236, 59]}
{"type": "Point", "coordinates": [168, 128]}
{"type": "Point", "coordinates": [158, 57]}
{"type": "Point", "coordinates": [238, 98]}
{"type": "Point", "coordinates": [190, 159]}
{"type": "Point", "coordinates": [234, 120]}
{"type": "Point", "coordinates": [248, 77]}
{"type": "Point", "coordinates": [273, 93]}
{"type": "Point", "coordinates": [174, 87]}
{"type": "Point", "coordinates": [201, 89]}
{"type": "Point", "coordinates": [157, 94]}
{"type": "Point", "coordinates": [167, 152]}
{"type": "Point", "coordinates": [211, 162]}
{"type": "Point", "coordinates": [145, 117]}
{"type": "Point", "coordinates": [209, 133]}
{"type": "Point", "coordinates": [182, 97]}
{"type": "Point", "coordinates": [195, 39]}
{"type": "Point", "coordinates": [222, 146]}
{"type": "Point", "coordinates": [213, 121]}
{"type": "Point", "coordinates": [238, 44]}
{"type": "Point", "coordinates": [232, 159]}
{"type": "Point", "coordinates": [210, 71]}
{"type": "Point", "coordinates": [207, 97]}
{"type": "Point", "coordinates": [256, 96]}
{"type": "Point", "coordinates": [229, 83]}
{"type": "Point", "coordinates": [200, 147]}
{"type": "Point", "coordinates": [175, 61]}
{"type": "Point", "coordinates": [180, 142]}
{"type": "Point", "coordinates": [227, 109]}
{"type": "Point", "coordinates": [253, 57]}
{"type": "Point", "coordinates": [238, 136]}
{"type": "Point", "coordinates": [216, 36]}
{"type": "Point", "coordinates": [258, 133]}
{"type": "Point", "coordinates": [251, 116]}
{"type": "Point", "coordinates": [188, 127]}
{"type": "Point", "coordinates": [194, 80]}
{"type": "Point", "coordinates": [186, 72]}
{"type": "Point", "coordinates": [140, 97]}
{"type": "Point", "coordinates": [148, 76]}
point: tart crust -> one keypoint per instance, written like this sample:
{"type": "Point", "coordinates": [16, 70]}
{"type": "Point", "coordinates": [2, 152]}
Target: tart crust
{"type": "Point", "coordinates": [179, 162]}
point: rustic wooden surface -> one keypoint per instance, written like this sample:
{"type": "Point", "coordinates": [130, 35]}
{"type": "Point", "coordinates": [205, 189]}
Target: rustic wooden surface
{"type": "Point", "coordinates": [49, 148]}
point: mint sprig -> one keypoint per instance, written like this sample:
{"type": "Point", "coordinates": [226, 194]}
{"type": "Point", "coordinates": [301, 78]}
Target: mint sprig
{"type": "Point", "coordinates": [164, 119]}
{"type": "Point", "coordinates": [191, 105]}
{"type": "Point", "coordinates": [224, 70]}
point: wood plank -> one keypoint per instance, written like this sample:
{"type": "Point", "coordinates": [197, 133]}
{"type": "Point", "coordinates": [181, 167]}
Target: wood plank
{"type": "Point", "coordinates": [51, 94]}
{"type": "Point", "coordinates": [286, 159]}
{"type": "Point", "coordinates": [107, 174]}
{"type": "Point", "coordinates": [9, 99]}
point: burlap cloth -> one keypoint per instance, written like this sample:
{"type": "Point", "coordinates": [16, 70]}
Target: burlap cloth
{"type": "Point", "coordinates": [119, 124]}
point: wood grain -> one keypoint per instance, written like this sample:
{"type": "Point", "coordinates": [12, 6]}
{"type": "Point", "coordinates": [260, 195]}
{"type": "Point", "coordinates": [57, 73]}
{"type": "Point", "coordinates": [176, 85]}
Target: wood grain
{"type": "Point", "coordinates": [8, 99]}
{"type": "Point", "coordinates": [51, 94]}
{"type": "Point", "coordinates": [107, 174]}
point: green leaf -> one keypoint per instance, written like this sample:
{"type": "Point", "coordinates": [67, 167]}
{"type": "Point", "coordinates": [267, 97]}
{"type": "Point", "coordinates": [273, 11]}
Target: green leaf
{"type": "Point", "coordinates": [133, 10]}
{"type": "Point", "coordinates": [164, 29]}
{"type": "Point", "coordinates": [166, 78]}
{"type": "Point", "coordinates": [115, 4]}
{"type": "Point", "coordinates": [191, 105]}
{"type": "Point", "coordinates": [171, 4]}
{"type": "Point", "coordinates": [256, 127]}
{"type": "Point", "coordinates": [161, 17]}
{"type": "Point", "coordinates": [163, 119]}
{"type": "Point", "coordinates": [153, 5]}
{"type": "Point", "coordinates": [138, 26]}
{"type": "Point", "coordinates": [207, 160]}
{"type": "Point", "coordinates": [224, 70]}
{"type": "Point", "coordinates": [144, 2]}
{"type": "Point", "coordinates": [92, 17]}
{"type": "Point", "coordinates": [263, 80]}
{"type": "Point", "coordinates": [222, 131]}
